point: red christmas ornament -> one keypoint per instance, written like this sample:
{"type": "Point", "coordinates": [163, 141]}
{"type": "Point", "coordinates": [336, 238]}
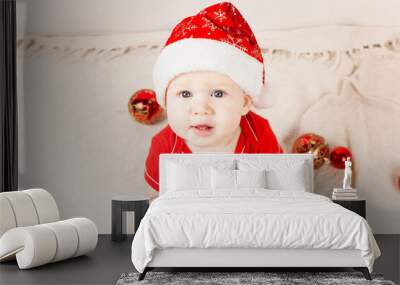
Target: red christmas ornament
{"type": "Point", "coordinates": [307, 143]}
{"type": "Point", "coordinates": [398, 183]}
{"type": "Point", "coordinates": [143, 106]}
{"type": "Point", "coordinates": [315, 144]}
{"type": "Point", "coordinates": [321, 154]}
{"type": "Point", "coordinates": [396, 178]}
{"type": "Point", "coordinates": [337, 155]}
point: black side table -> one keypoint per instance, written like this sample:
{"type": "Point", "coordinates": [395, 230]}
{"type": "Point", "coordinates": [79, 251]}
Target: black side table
{"type": "Point", "coordinates": [120, 204]}
{"type": "Point", "coordinates": [357, 206]}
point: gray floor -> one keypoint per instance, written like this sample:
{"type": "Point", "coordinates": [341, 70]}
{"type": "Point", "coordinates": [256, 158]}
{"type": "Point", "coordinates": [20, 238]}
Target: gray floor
{"type": "Point", "coordinates": [110, 259]}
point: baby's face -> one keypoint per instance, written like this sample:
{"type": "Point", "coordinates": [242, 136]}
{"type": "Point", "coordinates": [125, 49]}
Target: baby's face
{"type": "Point", "coordinates": [205, 108]}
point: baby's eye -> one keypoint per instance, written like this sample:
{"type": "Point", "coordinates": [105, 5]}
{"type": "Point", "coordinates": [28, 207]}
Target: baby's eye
{"type": "Point", "coordinates": [185, 94]}
{"type": "Point", "coordinates": [218, 93]}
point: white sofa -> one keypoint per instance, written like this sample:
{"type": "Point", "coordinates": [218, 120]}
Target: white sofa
{"type": "Point", "coordinates": [31, 230]}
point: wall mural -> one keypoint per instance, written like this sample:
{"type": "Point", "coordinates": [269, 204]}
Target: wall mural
{"type": "Point", "coordinates": [334, 97]}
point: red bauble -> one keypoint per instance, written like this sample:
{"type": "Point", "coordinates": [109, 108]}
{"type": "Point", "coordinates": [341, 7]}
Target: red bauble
{"type": "Point", "coordinates": [307, 142]}
{"type": "Point", "coordinates": [396, 179]}
{"type": "Point", "coordinates": [321, 154]}
{"type": "Point", "coordinates": [315, 144]}
{"type": "Point", "coordinates": [398, 183]}
{"type": "Point", "coordinates": [143, 106]}
{"type": "Point", "coordinates": [337, 155]}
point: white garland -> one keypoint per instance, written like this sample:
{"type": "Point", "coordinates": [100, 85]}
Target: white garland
{"type": "Point", "coordinates": [114, 46]}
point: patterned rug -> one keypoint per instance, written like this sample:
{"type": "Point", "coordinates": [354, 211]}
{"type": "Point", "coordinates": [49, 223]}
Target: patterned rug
{"type": "Point", "coordinates": [243, 278]}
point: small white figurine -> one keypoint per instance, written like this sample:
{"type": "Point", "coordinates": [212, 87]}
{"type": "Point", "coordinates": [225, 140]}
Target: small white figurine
{"type": "Point", "coordinates": [347, 173]}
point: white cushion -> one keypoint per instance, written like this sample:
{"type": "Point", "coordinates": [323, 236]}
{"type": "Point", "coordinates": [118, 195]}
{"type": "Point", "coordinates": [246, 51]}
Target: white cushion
{"type": "Point", "coordinates": [45, 205]}
{"type": "Point", "coordinates": [216, 160]}
{"type": "Point", "coordinates": [33, 246]}
{"type": "Point", "coordinates": [23, 208]}
{"type": "Point", "coordinates": [40, 244]}
{"type": "Point", "coordinates": [182, 177]}
{"type": "Point", "coordinates": [87, 232]}
{"type": "Point", "coordinates": [251, 178]}
{"type": "Point", "coordinates": [228, 179]}
{"type": "Point", "coordinates": [27, 208]}
{"type": "Point", "coordinates": [223, 179]}
{"type": "Point", "coordinates": [292, 178]}
{"type": "Point", "coordinates": [7, 215]}
{"type": "Point", "coordinates": [67, 239]}
{"type": "Point", "coordinates": [282, 175]}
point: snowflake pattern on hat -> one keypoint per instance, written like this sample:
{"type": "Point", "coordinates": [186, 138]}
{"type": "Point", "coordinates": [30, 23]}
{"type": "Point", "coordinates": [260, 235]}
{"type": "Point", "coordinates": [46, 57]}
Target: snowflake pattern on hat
{"type": "Point", "coordinates": [221, 22]}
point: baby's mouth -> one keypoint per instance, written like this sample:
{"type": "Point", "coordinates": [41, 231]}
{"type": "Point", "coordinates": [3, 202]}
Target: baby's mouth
{"type": "Point", "coordinates": [202, 130]}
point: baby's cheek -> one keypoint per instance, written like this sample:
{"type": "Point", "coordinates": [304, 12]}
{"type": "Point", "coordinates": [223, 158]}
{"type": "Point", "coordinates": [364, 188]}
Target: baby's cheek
{"type": "Point", "coordinates": [179, 123]}
{"type": "Point", "coordinates": [229, 118]}
{"type": "Point", "coordinates": [175, 108]}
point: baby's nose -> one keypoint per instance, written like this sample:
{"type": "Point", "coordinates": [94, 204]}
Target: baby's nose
{"type": "Point", "coordinates": [201, 107]}
{"type": "Point", "coordinates": [200, 110]}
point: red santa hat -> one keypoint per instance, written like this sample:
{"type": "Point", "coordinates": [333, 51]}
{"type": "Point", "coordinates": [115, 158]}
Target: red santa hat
{"type": "Point", "coordinates": [219, 39]}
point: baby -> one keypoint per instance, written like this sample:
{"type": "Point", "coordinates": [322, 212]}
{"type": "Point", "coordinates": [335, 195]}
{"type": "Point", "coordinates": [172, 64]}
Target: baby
{"type": "Point", "coordinates": [208, 76]}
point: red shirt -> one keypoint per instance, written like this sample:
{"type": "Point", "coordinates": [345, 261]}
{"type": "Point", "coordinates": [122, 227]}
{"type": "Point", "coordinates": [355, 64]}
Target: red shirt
{"type": "Point", "coordinates": [256, 137]}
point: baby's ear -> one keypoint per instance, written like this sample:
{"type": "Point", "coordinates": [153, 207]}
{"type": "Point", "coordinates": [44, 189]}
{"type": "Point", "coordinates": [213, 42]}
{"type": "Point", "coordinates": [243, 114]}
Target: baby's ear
{"type": "Point", "coordinates": [247, 103]}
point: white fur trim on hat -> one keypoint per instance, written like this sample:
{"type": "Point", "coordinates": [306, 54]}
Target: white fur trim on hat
{"type": "Point", "coordinates": [207, 55]}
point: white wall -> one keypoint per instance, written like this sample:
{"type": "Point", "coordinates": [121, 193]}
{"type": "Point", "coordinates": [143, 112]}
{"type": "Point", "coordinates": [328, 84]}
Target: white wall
{"type": "Point", "coordinates": [71, 142]}
{"type": "Point", "coordinates": [81, 17]}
